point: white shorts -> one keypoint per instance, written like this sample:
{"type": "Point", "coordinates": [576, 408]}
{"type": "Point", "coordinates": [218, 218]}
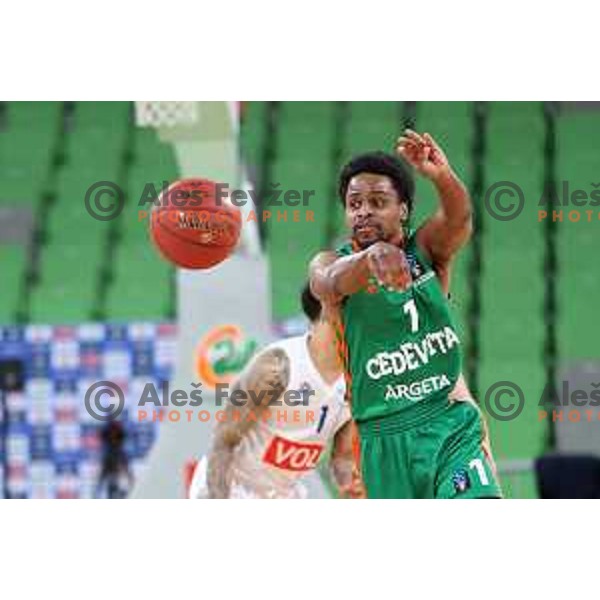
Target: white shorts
{"type": "Point", "coordinates": [199, 487]}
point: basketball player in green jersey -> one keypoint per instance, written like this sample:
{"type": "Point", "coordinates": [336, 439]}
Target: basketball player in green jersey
{"type": "Point", "coordinates": [421, 435]}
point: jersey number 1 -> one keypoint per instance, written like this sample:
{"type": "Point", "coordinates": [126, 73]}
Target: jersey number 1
{"type": "Point", "coordinates": [477, 464]}
{"type": "Point", "coordinates": [410, 308]}
{"type": "Point", "coordinates": [324, 410]}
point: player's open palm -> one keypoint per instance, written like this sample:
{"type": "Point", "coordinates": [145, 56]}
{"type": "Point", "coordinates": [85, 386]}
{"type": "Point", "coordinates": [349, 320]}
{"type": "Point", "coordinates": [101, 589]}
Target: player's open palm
{"type": "Point", "coordinates": [422, 153]}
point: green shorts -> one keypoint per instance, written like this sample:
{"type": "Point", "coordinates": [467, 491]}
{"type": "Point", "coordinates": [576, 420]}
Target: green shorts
{"type": "Point", "coordinates": [438, 449]}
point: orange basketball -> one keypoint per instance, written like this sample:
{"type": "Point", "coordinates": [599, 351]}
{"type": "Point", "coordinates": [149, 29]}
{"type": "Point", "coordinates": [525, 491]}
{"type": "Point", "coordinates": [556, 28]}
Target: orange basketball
{"type": "Point", "coordinates": [194, 228]}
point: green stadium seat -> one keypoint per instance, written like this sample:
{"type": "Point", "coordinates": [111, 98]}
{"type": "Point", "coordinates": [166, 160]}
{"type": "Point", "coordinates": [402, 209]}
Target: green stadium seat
{"type": "Point", "coordinates": [62, 262]}
{"type": "Point", "coordinates": [253, 131]}
{"type": "Point", "coordinates": [103, 148]}
{"type": "Point", "coordinates": [306, 129]}
{"type": "Point", "coordinates": [306, 112]}
{"type": "Point", "coordinates": [34, 116]}
{"type": "Point", "coordinates": [68, 286]}
{"type": "Point", "coordinates": [372, 126]}
{"type": "Point", "coordinates": [305, 142]}
{"type": "Point", "coordinates": [27, 149]}
{"type": "Point", "coordinates": [75, 227]}
{"type": "Point", "coordinates": [91, 115]}
{"type": "Point", "coordinates": [151, 153]}
{"type": "Point", "coordinates": [73, 254]}
{"type": "Point", "coordinates": [525, 435]}
{"type": "Point", "coordinates": [512, 326]}
{"type": "Point", "coordinates": [66, 303]}
{"type": "Point", "coordinates": [14, 262]}
{"type": "Point", "coordinates": [22, 185]}
{"type": "Point", "coordinates": [578, 242]}
{"type": "Point", "coordinates": [143, 283]}
{"type": "Point", "coordinates": [304, 155]}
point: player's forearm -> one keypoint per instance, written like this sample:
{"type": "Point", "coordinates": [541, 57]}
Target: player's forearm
{"type": "Point", "coordinates": [342, 470]}
{"type": "Point", "coordinates": [346, 475]}
{"type": "Point", "coordinates": [455, 202]}
{"type": "Point", "coordinates": [219, 470]}
{"type": "Point", "coordinates": [345, 276]}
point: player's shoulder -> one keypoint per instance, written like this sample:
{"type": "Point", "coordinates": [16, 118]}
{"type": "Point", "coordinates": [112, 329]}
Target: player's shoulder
{"type": "Point", "coordinates": [339, 390]}
{"type": "Point", "coordinates": [279, 352]}
{"type": "Point", "coordinates": [288, 344]}
{"type": "Point", "coordinates": [416, 254]}
{"type": "Point", "coordinates": [276, 355]}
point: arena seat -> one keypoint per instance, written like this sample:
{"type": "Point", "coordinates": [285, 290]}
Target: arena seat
{"type": "Point", "coordinates": [13, 259]}
{"type": "Point", "coordinates": [512, 327]}
{"type": "Point", "coordinates": [99, 143]}
{"type": "Point", "coordinates": [142, 285]}
{"type": "Point", "coordinates": [578, 242]}
{"type": "Point", "coordinates": [67, 289]}
{"type": "Point", "coordinates": [372, 126]}
{"type": "Point", "coordinates": [102, 148]}
{"type": "Point", "coordinates": [33, 153]}
{"type": "Point", "coordinates": [27, 141]}
{"type": "Point", "coordinates": [305, 135]}
{"type": "Point", "coordinates": [21, 185]}
{"type": "Point", "coordinates": [103, 115]}
{"type": "Point", "coordinates": [253, 130]}
{"type": "Point", "coordinates": [33, 116]}
{"type": "Point", "coordinates": [26, 147]}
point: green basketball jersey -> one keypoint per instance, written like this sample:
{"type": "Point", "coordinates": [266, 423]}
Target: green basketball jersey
{"type": "Point", "coordinates": [400, 348]}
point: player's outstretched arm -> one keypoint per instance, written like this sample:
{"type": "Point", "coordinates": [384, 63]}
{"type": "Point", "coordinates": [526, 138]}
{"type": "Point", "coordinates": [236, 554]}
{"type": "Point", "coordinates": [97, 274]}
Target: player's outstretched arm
{"type": "Point", "coordinates": [451, 225]}
{"type": "Point", "coordinates": [343, 467]}
{"type": "Point", "coordinates": [269, 373]}
{"type": "Point", "coordinates": [332, 277]}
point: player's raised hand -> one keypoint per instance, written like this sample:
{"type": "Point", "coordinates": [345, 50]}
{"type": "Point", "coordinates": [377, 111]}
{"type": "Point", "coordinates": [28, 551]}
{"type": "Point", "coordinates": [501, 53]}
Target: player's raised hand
{"type": "Point", "coordinates": [423, 154]}
{"type": "Point", "coordinates": [389, 266]}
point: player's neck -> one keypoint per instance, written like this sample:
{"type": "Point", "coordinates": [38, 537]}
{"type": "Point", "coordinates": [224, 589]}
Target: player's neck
{"type": "Point", "coordinates": [322, 349]}
{"type": "Point", "coordinates": [397, 239]}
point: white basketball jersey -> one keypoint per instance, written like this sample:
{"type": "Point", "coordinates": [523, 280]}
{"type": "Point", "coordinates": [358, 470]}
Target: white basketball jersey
{"type": "Point", "coordinates": [277, 452]}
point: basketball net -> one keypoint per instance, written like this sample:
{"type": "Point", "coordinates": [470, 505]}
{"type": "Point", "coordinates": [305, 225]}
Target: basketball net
{"type": "Point", "coordinates": [159, 114]}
